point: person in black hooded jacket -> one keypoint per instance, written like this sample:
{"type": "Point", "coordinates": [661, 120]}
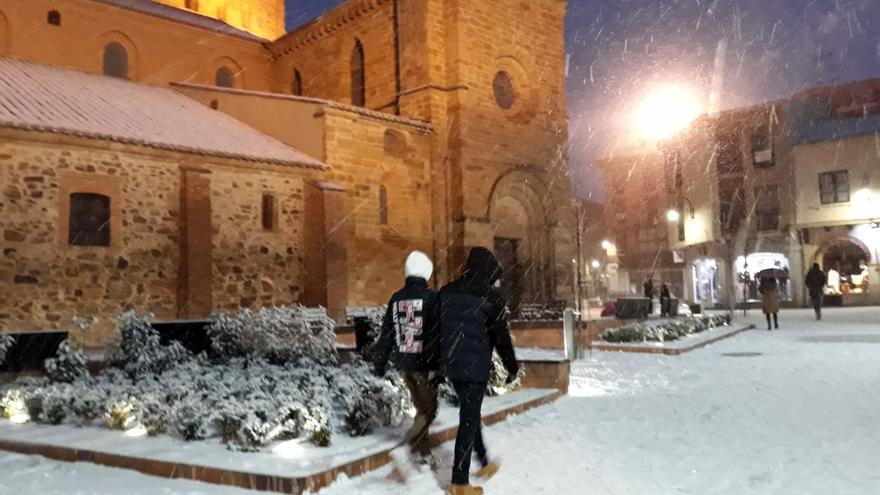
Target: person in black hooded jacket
{"type": "Point", "coordinates": [473, 323]}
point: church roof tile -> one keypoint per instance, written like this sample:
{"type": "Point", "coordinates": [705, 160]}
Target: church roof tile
{"type": "Point", "coordinates": [51, 99]}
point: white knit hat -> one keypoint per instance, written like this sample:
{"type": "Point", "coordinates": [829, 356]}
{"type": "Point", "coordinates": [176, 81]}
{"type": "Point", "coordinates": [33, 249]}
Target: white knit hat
{"type": "Point", "coordinates": [418, 265]}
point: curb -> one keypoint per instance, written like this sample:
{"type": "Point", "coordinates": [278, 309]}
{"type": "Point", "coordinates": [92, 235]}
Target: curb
{"type": "Point", "coordinates": [670, 351]}
{"type": "Point", "coordinates": [241, 479]}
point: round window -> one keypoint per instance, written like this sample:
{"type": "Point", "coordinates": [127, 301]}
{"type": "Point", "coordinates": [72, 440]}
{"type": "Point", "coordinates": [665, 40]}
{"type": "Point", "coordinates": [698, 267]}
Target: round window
{"type": "Point", "coordinates": [505, 96]}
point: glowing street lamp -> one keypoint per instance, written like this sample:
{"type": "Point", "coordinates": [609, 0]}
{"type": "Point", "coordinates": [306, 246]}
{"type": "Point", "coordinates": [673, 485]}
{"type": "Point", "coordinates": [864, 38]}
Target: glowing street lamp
{"type": "Point", "coordinates": [596, 264]}
{"type": "Point", "coordinates": [606, 245]}
{"type": "Point", "coordinates": [666, 111]}
{"type": "Point", "coordinates": [673, 216]}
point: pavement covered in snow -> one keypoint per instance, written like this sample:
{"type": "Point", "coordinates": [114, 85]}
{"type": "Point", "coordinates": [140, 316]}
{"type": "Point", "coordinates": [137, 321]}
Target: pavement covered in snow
{"type": "Point", "coordinates": [788, 412]}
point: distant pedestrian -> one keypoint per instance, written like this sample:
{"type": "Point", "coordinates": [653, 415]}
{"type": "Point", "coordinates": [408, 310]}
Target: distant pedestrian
{"type": "Point", "coordinates": [648, 291]}
{"type": "Point", "coordinates": [474, 322]}
{"type": "Point", "coordinates": [665, 301]}
{"type": "Point", "coordinates": [816, 281]}
{"type": "Point", "coordinates": [769, 289]}
{"type": "Point", "coordinates": [411, 340]}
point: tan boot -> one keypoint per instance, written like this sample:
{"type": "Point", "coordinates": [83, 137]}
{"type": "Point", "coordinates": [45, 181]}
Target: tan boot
{"type": "Point", "coordinates": [488, 471]}
{"type": "Point", "coordinates": [464, 490]}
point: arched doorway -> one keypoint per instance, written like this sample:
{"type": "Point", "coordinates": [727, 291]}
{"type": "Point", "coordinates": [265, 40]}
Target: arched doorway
{"type": "Point", "coordinates": [845, 259]}
{"type": "Point", "coordinates": [520, 240]}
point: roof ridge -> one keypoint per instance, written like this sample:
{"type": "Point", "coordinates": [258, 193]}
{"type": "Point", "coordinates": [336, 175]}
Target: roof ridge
{"type": "Point", "coordinates": [379, 115]}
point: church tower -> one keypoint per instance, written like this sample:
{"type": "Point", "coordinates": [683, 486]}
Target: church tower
{"type": "Point", "coordinates": [264, 18]}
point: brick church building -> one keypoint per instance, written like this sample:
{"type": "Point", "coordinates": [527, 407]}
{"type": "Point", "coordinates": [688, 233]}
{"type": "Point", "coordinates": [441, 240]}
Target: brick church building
{"type": "Point", "coordinates": [183, 157]}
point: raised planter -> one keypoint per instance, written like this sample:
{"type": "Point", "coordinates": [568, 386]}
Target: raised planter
{"type": "Point", "coordinates": [212, 463]}
{"type": "Point", "coordinates": [676, 347]}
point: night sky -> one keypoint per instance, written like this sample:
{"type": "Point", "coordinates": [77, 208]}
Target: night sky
{"type": "Point", "coordinates": [621, 48]}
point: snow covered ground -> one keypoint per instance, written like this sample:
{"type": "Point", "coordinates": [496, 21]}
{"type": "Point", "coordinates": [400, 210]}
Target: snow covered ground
{"type": "Point", "coordinates": [789, 412]}
{"type": "Point", "coordinates": [800, 418]}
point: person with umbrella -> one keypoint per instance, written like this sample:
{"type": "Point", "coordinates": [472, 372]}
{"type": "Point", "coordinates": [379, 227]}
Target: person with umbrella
{"type": "Point", "coordinates": [769, 290]}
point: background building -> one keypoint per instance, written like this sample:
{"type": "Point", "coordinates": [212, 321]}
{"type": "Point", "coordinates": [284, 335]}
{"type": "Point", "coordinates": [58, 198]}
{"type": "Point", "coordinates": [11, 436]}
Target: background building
{"type": "Point", "coordinates": [761, 191]}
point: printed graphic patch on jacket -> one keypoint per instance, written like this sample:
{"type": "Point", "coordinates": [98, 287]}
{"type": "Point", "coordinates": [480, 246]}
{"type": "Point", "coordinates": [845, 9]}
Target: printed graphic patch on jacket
{"type": "Point", "coordinates": [409, 323]}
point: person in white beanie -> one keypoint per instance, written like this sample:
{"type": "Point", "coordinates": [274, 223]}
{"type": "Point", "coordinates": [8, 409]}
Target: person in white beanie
{"type": "Point", "coordinates": [410, 340]}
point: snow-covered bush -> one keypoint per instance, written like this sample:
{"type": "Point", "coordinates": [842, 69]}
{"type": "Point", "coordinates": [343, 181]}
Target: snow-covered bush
{"type": "Point", "coordinates": [6, 343]}
{"type": "Point", "coordinates": [280, 335]}
{"type": "Point", "coordinates": [674, 330]}
{"type": "Point", "coordinates": [67, 366]}
{"type": "Point", "coordinates": [140, 350]}
{"type": "Point", "coordinates": [497, 382]}
{"type": "Point", "coordinates": [245, 399]}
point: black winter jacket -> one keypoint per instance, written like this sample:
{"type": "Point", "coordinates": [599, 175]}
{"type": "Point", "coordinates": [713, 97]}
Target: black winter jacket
{"type": "Point", "coordinates": [474, 321]}
{"type": "Point", "coordinates": [816, 281]}
{"type": "Point", "coordinates": [410, 330]}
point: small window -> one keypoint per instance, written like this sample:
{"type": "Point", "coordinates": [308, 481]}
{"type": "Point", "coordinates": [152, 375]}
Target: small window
{"type": "Point", "coordinates": [767, 208]}
{"type": "Point", "coordinates": [505, 96]}
{"type": "Point", "coordinates": [383, 205]}
{"type": "Point", "coordinates": [115, 61]}
{"type": "Point", "coordinates": [762, 147]}
{"type": "Point", "coordinates": [224, 78]}
{"type": "Point", "coordinates": [834, 187]}
{"type": "Point", "coordinates": [89, 222]}
{"type": "Point", "coordinates": [268, 212]}
{"type": "Point", "coordinates": [358, 77]}
{"type": "Point", "coordinates": [296, 87]}
{"type": "Point", "coordinates": [191, 4]}
{"type": "Point", "coordinates": [54, 18]}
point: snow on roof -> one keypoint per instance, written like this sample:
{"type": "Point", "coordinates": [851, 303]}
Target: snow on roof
{"type": "Point", "coordinates": [51, 99]}
{"type": "Point", "coordinates": [366, 112]}
{"type": "Point", "coordinates": [182, 16]}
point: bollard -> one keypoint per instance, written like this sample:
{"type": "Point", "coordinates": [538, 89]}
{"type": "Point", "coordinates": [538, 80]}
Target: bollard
{"type": "Point", "coordinates": [569, 324]}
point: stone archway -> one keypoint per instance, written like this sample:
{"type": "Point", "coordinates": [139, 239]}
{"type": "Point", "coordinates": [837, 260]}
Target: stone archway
{"type": "Point", "coordinates": [519, 226]}
{"type": "Point", "coordinates": [844, 254]}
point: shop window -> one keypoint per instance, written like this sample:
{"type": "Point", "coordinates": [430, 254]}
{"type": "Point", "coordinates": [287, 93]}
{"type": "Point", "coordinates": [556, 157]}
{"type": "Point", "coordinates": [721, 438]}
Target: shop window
{"type": "Point", "coordinates": [268, 212]}
{"type": "Point", "coordinates": [224, 78]}
{"type": "Point", "coordinates": [115, 61]}
{"type": "Point", "coordinates": [89, 222]}
{"type": "Point", "coordinates": [54, 18]}
{"type": "Point", "coordinates": [834, 187]}
{"type": "Point", "coordinates": [358, 78]}
{"type": "Point", "coordinates": [383, 205]}
{"type": "Point", "coordinates": [502, 87]}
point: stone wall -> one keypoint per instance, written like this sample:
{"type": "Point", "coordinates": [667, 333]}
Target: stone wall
{"type": "Point", "coordinates": [264, 18]}
{"type": "Point", "coordinates": [254, 267]}
{"type": "Point", "coordinates": [181, 53]}
{"type": "Point", "coordinates": [321, 51]}
{"type": "Point", "coordinates": [158, 261]}
{"type": "Point", "coordinates": [44, 282]}
{"type": "Point", "coordinates": [365, 156]}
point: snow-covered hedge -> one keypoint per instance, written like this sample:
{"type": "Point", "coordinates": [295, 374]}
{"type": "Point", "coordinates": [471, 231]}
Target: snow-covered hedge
{"type": "Point", "coordinates": [245, 399]}
{"type": "Point", "coordinates": [280, 335]}
{"type": "Point", "coordinates": [674, 330]}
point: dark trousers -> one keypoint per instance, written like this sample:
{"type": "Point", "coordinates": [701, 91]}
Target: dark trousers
{"type": "Point", "coordinates": [424, 396]}
{"type": "Point", "coordinates": [817, 305]}
{"type": "Point", "coordinates": [775, 317]}
{"type": "Point", "coordinates": [470, 436]}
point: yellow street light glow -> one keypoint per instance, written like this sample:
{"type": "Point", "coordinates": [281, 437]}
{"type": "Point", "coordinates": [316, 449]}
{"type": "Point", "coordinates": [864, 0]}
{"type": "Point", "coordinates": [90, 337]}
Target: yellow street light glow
{"type": "Point", "coordinates": [666, 111]}
{"type": "Point", "coordinates": [606, 244]}
{"type": "Point", "coordinates": [673, 216]}
{"type": "Point", "coordinates": [596, 264]}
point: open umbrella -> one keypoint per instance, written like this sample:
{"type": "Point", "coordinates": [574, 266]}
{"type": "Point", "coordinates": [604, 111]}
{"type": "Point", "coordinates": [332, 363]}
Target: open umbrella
{"type": "Point", "coordinates": [772, 273]}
